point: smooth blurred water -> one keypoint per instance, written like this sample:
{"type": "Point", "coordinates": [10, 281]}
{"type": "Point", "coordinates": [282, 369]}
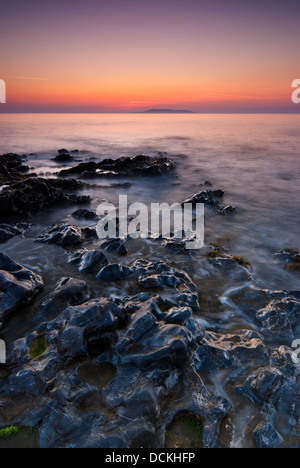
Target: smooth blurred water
{"type": "Point", "coordinates": [254, 158]}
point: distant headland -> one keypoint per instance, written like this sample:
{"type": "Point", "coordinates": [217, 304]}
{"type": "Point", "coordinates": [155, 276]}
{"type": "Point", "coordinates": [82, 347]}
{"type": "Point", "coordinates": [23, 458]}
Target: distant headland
{"type": "Point", "coordinates": [167, 111]}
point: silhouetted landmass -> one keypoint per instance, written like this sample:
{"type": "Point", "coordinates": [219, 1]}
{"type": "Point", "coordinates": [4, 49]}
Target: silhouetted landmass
{"type": "Point", "coordinates": [167, 111]}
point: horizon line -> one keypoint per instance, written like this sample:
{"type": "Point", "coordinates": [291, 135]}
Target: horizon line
{"type": "Point", "coordinates": [290, 112]}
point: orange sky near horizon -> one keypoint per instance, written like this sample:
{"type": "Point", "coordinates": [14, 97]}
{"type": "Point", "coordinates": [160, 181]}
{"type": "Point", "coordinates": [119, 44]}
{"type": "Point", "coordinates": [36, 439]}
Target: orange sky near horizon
{"type": "Point", "coordinates": [101, 56]}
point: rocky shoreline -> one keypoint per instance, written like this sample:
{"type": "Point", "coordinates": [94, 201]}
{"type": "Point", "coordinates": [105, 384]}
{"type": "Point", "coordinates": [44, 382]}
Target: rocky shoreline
{"type": "Point", "coordinates": [100, 370]}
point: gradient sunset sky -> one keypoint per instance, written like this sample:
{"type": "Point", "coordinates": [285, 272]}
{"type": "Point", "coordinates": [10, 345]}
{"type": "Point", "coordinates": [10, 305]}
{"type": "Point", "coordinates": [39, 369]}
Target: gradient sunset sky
{"type": "Point", "coordinates": [130, 55]}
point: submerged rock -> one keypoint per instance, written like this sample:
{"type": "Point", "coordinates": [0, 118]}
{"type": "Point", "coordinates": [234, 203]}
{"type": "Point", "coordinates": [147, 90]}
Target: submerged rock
{"type": "Point", "coordinates": [84, 214]}
{"type": "Point", "coordinates": [290, 259]}
{"type": "Point", "coordinates": [18, 285]}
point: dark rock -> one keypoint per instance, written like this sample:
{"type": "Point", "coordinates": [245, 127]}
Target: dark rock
{"type": "Point", "coordinates": [88, 261]}
{"type": "Point", "coordinates": [11, 168]}
{"type": "Point", "coordinates": [27, 382]}
{"type": "Point", "coordinates": [32, 195]}
{"type": "Point", "coordinates": [223, 351]}
{"type": "Point", "coordinates": [8, 231]}
{"type": "Point", "coordinates": [283, 359]}
{"type": "Point", "coordinates": [262, 386]}
{"type": "Point", "coordinates": [211, 198]}
{"type": "Point", "coordinates": [290, 259]}
{"type": "Point", "coordinates": [280, 317]}
{"type": "Point", "coordinates": [63, 158]}
{"type": "Point", "coordinates": [114, 272]}
{"type": "Point", "coordinates": [114, 245]}
{"type": "Point", "coordinates": [68, 291]}
{"type": "Point", "coordinates": [123, 167]}
{"type": "Point", "coordinates": [266, 436]}
{"type": "Point", "coordinates": [18, 285]}
{"type": "Point", "coordinates": [63, 235]}
{"type": "Point", "coordinates": [63, 151]}
{"type": "Point", "coordinates": [84, 214]}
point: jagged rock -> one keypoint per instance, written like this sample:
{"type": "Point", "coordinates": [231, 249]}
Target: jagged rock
{"type": "Point", "coordinates": [8, 231]}
{"type": "Point", "coordinates": [222, 351]}
{"type": "Point", "coordinates": [262, 386]}
{"type": "Point", "coordinates": [63, 235]}
{"type": "Point", "coordinates": [11, 168]}
{"type": "Point", "coordinates": [123, 167]}
{"type": "Point", "coordinates": [88, 261]}
{"type": "Point", "coordinates": [266, 436]}
{"type": "Point", "coordinates": [32, 195]}
{"type": "Point", "coordinates": [211, 198]}
{"type": "Point", "coordinates": [281, 316]}
{"type": "Point", "coordinates": [68, 291]}
{"type": "Point", "coordinates": [18, 285]}
{"type": "Point", "coordinates": [114, 245]}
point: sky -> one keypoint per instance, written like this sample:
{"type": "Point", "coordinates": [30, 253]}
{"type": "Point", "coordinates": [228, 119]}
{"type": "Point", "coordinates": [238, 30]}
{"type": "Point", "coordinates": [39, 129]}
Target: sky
{"type": "Point", "coordinates": [133, 55]}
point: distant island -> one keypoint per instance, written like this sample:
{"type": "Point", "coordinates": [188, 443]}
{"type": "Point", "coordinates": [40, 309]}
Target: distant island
{"type": "Point", "coordinates": [167, 111]}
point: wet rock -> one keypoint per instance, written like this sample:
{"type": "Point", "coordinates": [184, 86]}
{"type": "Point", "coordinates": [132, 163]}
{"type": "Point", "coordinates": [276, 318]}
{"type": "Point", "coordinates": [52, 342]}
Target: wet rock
{"type": "Point", "coordinates": [223, 351]}
{"type": "Point", "coordinates": [175, 245]}
{"type": "Point", "coordinates": [18, 285]}
{"type": "Point", "coordinates": [63, 235]}
{"type": "Point", "coordinates": [114, 245]}
{"type": "Point", "coordinates": [266, 436]}
{"type": "Point", "coordinates": [211, 198]}
{"type": "Point", "coordinates": [11, 168]}
{"type": "Point", "coordinates": [290, 259]}
{"type": "Point", "coordinates": [281, 316]}
{"type": "Point", "coordinates": [283, 359]}
{"type": "Point", "coordinates": [262, 386]}
{"type": "Point", "coordinates": [68, 291]}
{"type": "Point", "coordinates": [84, 214]}
{"type": "Point", "coordinates": [151, 349]}
{"type": "Point", "coordinates": [32, 195]}
{"type": "Point", "coordinates": [27, 382]}
{"type": "Point", "coordinates": [123, 167]}
{"type": "Point", "coordinates": [8, 231]}
{"type": "Point", "coordinates": [65, 421]}
{"type": "Point", "coordinates": [114, 272]}
{"type": "Point", "coordinates": [63, 158]}
{"type": "Point", "coordinates": [88, 261]}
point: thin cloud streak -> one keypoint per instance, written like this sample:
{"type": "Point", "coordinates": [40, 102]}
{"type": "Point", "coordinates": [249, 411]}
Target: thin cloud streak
{"type": "Point", "coordinates": [28, 78]}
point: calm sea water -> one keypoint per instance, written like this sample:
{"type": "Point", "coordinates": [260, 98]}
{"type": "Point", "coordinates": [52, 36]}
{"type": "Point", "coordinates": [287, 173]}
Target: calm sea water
{"type": "Point", "coordinates": [254, 158]}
